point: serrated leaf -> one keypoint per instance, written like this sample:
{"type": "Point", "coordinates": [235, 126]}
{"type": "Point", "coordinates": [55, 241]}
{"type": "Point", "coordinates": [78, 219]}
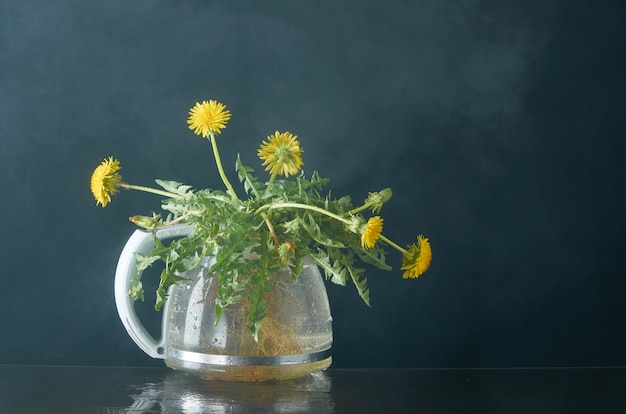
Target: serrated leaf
{"type": "Point", "coordinates": [174, 187]}
{"type": "Point", "coordinates": [188, 263]}
{"type": "Point", "coordinates": [143, 262]}
{"type": "Point", "coordinates": [161, 298]}
{"type": "Point", "coordinates": [360, 281]}
{"type": "Point", "coordinates": [315, 231]}
{"type": "Point", "coordinates": [244, 173]}
{"type": "Point", "coordinates": [136, 289]}
{"type": "Point", "coordinates": [334, 272]}
{"type": "Point", "coordinates": [375, 256]}
{"type": "Point", "coordinates": [291, 226]}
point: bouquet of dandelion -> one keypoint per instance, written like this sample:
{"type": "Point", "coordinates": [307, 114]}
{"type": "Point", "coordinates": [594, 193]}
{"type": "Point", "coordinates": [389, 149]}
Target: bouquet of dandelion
{"type": "Point", "coordinates": [269, 226]}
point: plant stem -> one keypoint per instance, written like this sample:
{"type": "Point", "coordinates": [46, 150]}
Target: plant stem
{"type": "Point", "coordinates": [327, 213]}
{"type": "Point", "coordinates": [148, 190]}
{"type": "Point", "coordinates": [177, 220]}
{"type": "Point", "coordinates": [270, 227]}
{"type": "Point", "coordinates": [392, 244]}
{"type": "Point", "coordinates": [358, 209]}
{"type": "Point", "coordinates": [304, 207]}
{"type": "Point", "coordinates": [220, 169]}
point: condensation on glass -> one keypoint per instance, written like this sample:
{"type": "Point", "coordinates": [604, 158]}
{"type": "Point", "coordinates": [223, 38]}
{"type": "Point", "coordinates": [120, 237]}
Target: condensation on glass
{"type": "Point", "coordinates": [294, 340]}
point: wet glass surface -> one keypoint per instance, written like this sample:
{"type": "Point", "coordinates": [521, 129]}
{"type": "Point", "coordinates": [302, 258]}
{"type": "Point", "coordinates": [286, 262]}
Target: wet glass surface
{"type": "Point", "coordinates": [48, 389]}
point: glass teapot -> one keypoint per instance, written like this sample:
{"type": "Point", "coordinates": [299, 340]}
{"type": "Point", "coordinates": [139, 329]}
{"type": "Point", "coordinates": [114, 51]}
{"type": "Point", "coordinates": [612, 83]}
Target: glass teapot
{"type": "Point", "coordinates": [295, 339]}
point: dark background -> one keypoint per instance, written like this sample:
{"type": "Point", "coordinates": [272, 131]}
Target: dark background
{"type": "Point", "coordinates": [498, 124]}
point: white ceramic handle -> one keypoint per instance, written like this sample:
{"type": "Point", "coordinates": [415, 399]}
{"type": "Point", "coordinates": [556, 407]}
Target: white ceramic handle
{"type": "Point", "coordinates": [140, 242]}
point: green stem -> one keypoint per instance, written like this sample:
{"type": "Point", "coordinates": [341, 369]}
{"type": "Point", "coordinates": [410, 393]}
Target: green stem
{"type": "Point", "coordinates": [327, 213]}
{"type": "Point", "coordinates": [358, 209]}
{"type": "Point", "coordinates": [392, 244]}
{"type": "Point", "coordinates": [177, 220]}
{"type": "Point", "coordinates": [218, 161]}
{"type": "Point", "coordinates": [270, 227]}
{"type": "Point", "coordinates": [148, 190]}
{"type": "Point", "coordinates": [304, 207]}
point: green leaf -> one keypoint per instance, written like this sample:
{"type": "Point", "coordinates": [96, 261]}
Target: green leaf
{"type": "Point", "coordinates": [174, 187]}
{"type": "Point", "coordinates": [219, 311]}
{"type": "Point", "coordinates": [254, 330]}
{"type": "Point", "coordinates": [188, 263]}
{"type": "Point", "coordinates": [374, 256]}
{"type": "Point", "coordinates": [136, 289]}
{"type": "Point", "coordinates": [161, 298]}
{"type": "Point", "coordinates": [346, 258]}
{"type": "Point", "coordinates": [144, 262]}
{"type": "Point", "coordinates": [360, 281]}
{"type": "Point", "coordinates": [316, 232]}
{"type": "Point", "coordinates": [250, 184]}
{"type": "Point", "coordinates": [292, 226]}
{"type": "Point", "coordinates": [335, 272]}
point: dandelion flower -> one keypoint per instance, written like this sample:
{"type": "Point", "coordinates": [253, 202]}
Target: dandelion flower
{"type": "Point", "coordinates": [281, 154]}
{"type": "Point", "coordinates": [371, 232]}
{"type": "Point", "coordinates": [208, 117]}
{"type": "Point", "coordinates": [416, 259]}
{"type": "Point", "coordinates": [105, 181]}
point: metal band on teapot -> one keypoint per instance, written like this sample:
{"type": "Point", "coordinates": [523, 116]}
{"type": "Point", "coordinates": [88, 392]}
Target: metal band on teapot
{"type": "Point", "coordinates": [214, 359]}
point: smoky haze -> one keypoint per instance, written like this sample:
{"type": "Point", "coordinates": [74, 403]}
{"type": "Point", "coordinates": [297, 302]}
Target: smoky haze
{"type": "Point", "coordinates": [496, 124]}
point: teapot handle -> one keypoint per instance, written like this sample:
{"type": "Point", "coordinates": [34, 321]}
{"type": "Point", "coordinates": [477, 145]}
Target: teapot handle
{"type": "Point", "coordinates": [141, 242]}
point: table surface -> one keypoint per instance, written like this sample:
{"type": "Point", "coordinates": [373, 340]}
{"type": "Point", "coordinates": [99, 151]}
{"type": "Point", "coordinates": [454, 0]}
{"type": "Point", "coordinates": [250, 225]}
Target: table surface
{"type": "Point", "coordinates": [67, 389]}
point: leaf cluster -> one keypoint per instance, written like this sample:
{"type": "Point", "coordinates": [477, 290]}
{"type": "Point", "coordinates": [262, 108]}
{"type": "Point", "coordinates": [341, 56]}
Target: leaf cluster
{"type": "Point", "coordinates": [250, 238]}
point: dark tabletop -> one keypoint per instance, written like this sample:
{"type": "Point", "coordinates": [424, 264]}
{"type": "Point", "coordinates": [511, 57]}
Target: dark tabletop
{"type": "Point", "coordinates": [52, 389]}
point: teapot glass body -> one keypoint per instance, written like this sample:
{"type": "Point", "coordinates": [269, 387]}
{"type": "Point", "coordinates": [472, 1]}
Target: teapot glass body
{"type": "Point", "coordinates": [295, 338]}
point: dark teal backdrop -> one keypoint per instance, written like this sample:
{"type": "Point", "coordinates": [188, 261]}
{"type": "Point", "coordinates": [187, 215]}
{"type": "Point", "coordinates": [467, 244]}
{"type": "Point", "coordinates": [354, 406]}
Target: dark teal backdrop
{"type": "Point", "coordinates": [498, 124]}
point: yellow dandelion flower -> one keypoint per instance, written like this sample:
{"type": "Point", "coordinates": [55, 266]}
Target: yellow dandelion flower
{"type": "Point", "coordinates": [371, 232]}
{"type": "Point", "coordinates": [208, 117]}
{"type": "Point", "coordinates": [416, 259]}
{"type": "Point", "coordinates": [281, 154]}
{"type": "Point", "coordinates": [105, 181]}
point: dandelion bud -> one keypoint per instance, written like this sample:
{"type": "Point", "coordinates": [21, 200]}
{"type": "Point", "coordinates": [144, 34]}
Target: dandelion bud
{"type": "Point", "coordinates": [148, 223]}
{"type": "Point", "coordinates": [376, 200]}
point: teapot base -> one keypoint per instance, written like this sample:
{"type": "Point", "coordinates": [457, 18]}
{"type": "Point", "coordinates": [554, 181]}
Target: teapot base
{"type": "Point", "coordinates": [249, 373]}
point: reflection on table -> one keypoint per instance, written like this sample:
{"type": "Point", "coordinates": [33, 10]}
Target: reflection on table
{"type": "Point", "coordinates": [182, 393]}
{"type": "Point", "coordinates": [49, 389]}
